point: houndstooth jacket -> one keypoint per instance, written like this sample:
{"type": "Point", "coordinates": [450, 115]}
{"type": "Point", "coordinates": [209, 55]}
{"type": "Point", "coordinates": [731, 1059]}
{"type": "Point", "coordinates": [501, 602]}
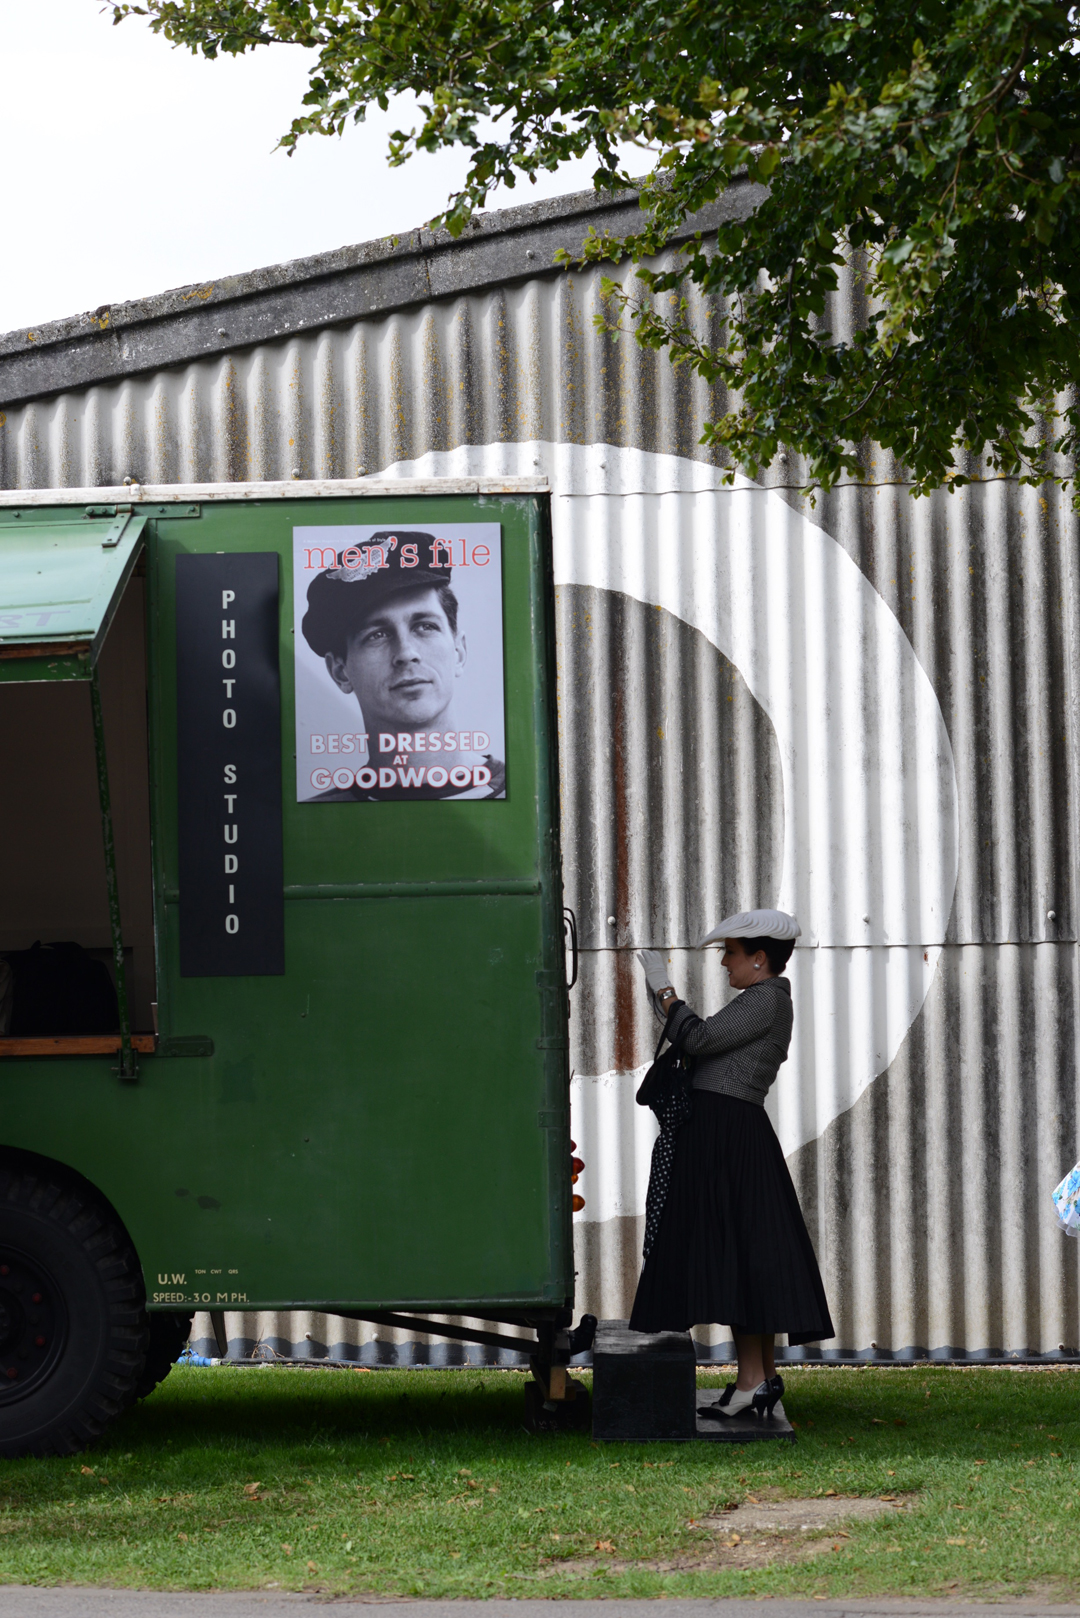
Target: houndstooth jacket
{"type": "Point", "coordinates": [738, 1051]}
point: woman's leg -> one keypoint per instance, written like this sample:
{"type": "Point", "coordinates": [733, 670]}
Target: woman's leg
{"type": "Point", "coordinates": [768, 1354]}
{"type": "Point", "coordinates": [749, 1346]}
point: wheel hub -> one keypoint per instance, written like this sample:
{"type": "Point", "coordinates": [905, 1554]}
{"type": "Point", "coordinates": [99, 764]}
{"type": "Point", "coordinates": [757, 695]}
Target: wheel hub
{"type": "Point", "coordinates": [33, 1325]}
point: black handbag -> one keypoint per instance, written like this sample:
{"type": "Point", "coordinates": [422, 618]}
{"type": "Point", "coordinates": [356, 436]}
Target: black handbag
{"type": "Point", "coordinates": [670, 1072]}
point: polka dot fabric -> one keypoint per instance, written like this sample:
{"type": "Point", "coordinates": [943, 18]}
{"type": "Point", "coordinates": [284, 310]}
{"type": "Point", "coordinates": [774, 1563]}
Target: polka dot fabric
{"type": "Point", "coordinates": [671, 1105]}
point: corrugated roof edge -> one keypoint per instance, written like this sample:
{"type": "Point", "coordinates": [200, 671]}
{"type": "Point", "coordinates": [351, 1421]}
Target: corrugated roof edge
{"type": "Point", "coordinates": [150, 494]}
{"type": "Point", "coordinates": [371, 278]}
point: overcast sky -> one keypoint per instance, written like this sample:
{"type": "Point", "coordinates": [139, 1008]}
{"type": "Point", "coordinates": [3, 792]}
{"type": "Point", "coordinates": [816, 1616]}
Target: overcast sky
{"type": "Point", "coordinates": [132, 167]}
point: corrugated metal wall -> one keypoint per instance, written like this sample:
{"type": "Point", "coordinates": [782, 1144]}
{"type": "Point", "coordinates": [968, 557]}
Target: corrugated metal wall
{"type": "Point", "coordinates": [864, 711]}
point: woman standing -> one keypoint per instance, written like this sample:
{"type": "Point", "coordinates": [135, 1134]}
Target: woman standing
{"type": "Point", "coordinates": [728, 1244]}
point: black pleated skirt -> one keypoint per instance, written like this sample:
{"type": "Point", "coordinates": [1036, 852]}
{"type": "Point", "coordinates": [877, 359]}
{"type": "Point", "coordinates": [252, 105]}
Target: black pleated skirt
{"type": "Point", "coordinates": [732, 1247]}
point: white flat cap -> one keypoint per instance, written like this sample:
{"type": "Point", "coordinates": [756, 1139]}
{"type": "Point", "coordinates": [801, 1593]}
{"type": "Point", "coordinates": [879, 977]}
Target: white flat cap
{"type": "Point", "coordinates": [754, 924]}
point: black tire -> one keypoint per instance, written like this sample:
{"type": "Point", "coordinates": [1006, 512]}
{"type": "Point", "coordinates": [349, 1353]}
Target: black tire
{"type": "Point", "coordinates": [168, 1334]}
{"type": "Point", "coordinates": [73, 1328]}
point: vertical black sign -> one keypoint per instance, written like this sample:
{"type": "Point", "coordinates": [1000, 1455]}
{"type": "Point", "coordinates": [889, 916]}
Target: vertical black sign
{"type": "Point", "coordinates": [232, 921]}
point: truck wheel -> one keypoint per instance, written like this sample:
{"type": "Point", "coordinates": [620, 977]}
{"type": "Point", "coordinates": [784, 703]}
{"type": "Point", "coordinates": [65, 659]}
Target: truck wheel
{"type": "Point", "coordinates": [73, 1330]}
{"type": "Point", "coordinates": [168, 1334]}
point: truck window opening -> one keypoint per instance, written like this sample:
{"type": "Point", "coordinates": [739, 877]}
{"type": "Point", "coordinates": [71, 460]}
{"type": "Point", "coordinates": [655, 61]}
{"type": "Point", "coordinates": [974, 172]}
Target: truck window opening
{"type": "Point", "coordinates": [57, 977]}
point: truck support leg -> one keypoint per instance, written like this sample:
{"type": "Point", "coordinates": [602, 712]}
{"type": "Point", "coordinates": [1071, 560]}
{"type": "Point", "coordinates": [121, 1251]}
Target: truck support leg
{"type": "Point", "coordinates": [549, 1364]}
{"type": "Point", "coordinates": [221, 1336]}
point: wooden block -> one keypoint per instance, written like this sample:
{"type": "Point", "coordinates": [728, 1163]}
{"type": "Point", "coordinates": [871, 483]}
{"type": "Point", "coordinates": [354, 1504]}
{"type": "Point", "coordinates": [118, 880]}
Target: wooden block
{"type": "Point", "coordinates": [557, 1382]}
{"type": "Point", "coordinates": [73, 1044]}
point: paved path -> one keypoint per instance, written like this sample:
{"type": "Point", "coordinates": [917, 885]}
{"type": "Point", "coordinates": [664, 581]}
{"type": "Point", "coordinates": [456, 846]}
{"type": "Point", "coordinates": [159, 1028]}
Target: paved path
{"type": "Point", "coordinates": [19, 1601]}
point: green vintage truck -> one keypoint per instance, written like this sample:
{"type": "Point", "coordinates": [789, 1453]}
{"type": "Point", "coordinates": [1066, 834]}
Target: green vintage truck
{"type": "Point", "coordinates": [283, 1008]}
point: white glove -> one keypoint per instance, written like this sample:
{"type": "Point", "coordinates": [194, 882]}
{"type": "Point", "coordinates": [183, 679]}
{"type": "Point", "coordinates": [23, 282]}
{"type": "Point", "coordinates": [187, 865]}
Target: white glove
{"type": "Point", "coordinates": [656, 970]}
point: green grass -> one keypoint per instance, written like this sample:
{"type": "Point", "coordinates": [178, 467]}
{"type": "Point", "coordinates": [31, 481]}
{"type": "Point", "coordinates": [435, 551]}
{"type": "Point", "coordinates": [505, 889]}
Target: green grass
{"type": "Point", "coordinates": [426, 1483]}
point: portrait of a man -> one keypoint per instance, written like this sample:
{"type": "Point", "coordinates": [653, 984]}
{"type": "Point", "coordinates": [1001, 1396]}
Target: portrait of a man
{"type": "Point", "coordinates": [386, 621]}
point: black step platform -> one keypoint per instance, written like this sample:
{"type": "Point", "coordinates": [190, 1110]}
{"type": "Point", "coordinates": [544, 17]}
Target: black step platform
{"type": "Point", "coordinates": [645, 1392]}
{"type": "Point", "coordinates": [743, 1428]}
{"type": "Point", "coordinates": [644, 1385]}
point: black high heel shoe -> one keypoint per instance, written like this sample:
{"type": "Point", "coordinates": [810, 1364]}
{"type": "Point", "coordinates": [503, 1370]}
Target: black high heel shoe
{"type": "Point", "coordinates": [768, 1396]}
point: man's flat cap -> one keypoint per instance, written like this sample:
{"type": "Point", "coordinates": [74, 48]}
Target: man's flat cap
{"type": "Point", "coordinates": [342, 597]}
{"type": "Point", "coordinates": [753, 924]}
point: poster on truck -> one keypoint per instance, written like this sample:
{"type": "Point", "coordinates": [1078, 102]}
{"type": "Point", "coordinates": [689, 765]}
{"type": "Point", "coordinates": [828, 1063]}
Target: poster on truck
{"type": "Point", "coordinates": [399, 663]}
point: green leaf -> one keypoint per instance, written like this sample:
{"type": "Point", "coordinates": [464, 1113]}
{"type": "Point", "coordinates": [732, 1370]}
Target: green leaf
{"type": "Point", "coordinates": [934, 143]}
